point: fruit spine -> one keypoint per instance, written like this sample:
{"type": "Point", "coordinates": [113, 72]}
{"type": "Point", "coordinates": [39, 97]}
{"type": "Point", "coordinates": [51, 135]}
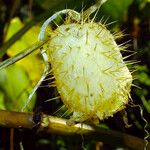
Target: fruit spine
{"type": "Point", "coordinates": [90, 74]}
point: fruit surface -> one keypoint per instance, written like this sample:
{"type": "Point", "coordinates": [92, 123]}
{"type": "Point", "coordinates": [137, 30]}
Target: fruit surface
{"type": "Point", "coordinates": [90, 74]}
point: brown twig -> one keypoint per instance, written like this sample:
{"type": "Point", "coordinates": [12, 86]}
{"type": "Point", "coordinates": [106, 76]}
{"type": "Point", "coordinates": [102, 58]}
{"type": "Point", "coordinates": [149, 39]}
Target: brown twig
{"type": "Point", "coordinates": [51, 124]}
{"type": "Point", "coordinates": [11, 139]}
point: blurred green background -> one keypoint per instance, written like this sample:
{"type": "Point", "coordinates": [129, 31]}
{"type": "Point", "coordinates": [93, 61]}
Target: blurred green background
{"type": "Point", "coordinates": [20, 23]}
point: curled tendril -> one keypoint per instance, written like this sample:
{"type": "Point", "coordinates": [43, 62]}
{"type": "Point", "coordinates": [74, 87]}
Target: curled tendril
{"type": "Point", "coordinates": [147, 135]}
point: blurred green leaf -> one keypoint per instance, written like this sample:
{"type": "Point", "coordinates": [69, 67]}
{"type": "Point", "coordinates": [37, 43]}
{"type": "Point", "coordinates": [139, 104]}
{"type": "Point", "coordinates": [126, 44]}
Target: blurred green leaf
{"type": "Point", "coordinates": [15, 87]}
{"type": "Point", "coordinates": [46, 4]}
{"type": "Point", "coordinates": [117, 10]}
{"type": "Point", "coordinates": [2, 103]}
{"type": "Point", "coordinates": [32, 61]}
{"type": "Point", "coordinates": [143, 3]}
{"type": "Point", "coordinates": [146, 104]}
{"type": "Point", "coordinates": [143, 79]}
{"type": "Point", "coordinates": [15, 25]}
{"type": "Point", "coordinates": [143, 76]}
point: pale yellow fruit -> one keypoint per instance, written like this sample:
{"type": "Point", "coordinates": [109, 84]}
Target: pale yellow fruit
{"type": "Point", "coordinates": [90, 74]}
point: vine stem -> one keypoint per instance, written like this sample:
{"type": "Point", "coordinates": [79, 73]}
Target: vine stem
{"type": "Point", "coordinates": [51, 124]}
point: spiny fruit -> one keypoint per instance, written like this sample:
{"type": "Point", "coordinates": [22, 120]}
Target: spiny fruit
{"type": "Point", "coordinates": [90, 74]}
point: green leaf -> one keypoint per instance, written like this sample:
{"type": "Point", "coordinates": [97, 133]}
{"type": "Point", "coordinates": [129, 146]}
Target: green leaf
{"type": "Point", "coordinates": [146, 103]}
{"type": "Point", "coordinates": [33, 63]}
{"type": "Point", "coordinates": [15, 86]}
{"type": "Point", "coordinates": [2, 104]}
{"type": "Point", "coordinates": [117, 10]}
{"type": "Point", "coordinates": [143, 74]}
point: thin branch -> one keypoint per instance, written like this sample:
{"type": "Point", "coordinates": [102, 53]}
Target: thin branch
{"type": "Point", "coordinates": [51, 124]}
{"type": "Point", "coordinates": [22, 54]}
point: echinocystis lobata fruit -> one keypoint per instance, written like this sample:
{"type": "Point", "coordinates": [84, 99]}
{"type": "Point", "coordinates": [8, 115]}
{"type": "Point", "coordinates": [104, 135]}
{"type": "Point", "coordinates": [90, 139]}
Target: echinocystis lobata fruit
{"type": "Point", "coordinates": [90, 74]}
